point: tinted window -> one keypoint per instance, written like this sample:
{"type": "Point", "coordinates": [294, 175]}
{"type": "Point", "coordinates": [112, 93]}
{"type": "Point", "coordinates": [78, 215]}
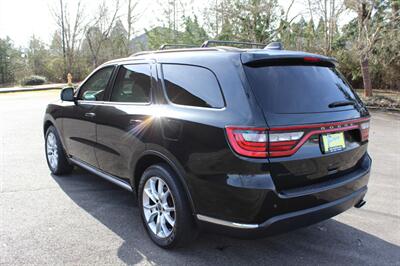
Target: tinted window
{"type": "Point", "coordinates": [133, 84]}
{"type": "Point", "coordinates": [194, 86]}
{"type": "Point", "coordinates": [93, 89]}
{"type": "Point", "coordinates": [298, 89]}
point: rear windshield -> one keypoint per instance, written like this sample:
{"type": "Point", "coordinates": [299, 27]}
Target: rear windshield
{"type": "Point", "coordinates": [299, 88]}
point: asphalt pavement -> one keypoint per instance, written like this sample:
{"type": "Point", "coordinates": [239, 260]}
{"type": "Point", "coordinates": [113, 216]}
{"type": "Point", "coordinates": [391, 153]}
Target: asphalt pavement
{"type": "Point", "coordinates": [80, 219]}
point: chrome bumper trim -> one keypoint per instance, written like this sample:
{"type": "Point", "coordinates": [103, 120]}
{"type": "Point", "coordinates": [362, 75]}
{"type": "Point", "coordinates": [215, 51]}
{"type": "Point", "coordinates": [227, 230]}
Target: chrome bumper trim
{"type": "Point", "coordinates": [226, 223]}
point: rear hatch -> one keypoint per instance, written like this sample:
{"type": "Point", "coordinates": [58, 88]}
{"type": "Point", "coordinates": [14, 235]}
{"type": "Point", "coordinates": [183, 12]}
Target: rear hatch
{"type": "Point", "coordinates": [317, 126]}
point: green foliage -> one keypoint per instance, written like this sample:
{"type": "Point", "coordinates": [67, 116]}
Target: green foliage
{"type": "Point", "coordinates": [12, 62]}
{"type": "Point", "coordinates": [38, 56]}
{"type": "Point", "coordinates": [248, 20]}
{"type": "Point", "coordinates": [194, 33]}
{"type": "Point", "coordinates": [118, 41]}
{"type": "Point", "coordinates": [237, 20]}
{"type": "Point", "coordinates": [161, 35]}
{"type": "Point", "coordinates": [33, 80]}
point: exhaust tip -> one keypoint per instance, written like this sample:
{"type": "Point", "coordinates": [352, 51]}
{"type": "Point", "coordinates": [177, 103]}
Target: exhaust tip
{"type": "Point", "coordinates": [360, 204]}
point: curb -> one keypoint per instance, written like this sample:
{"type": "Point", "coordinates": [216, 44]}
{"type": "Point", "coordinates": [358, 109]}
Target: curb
{"type": "Point", "coordinates": [379, 108]}
{"type": "Point", "coordinates": [28, 89]}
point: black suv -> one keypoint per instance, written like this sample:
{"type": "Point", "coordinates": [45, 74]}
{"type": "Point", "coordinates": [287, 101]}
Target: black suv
{"type": "Point", "coordinates": [250, 142]}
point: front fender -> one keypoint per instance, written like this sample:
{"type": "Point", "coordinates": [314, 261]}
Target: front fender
{"type": "Point", "coordinates": [53, 116]}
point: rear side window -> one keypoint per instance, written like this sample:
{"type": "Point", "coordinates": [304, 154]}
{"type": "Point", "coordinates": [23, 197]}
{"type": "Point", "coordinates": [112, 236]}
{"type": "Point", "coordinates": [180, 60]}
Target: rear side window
{"type": "Point", "coordinates": [133, 84]}
{"type": "Point", "coordinates": [298, 88]}
{"type": "Point", "coordinates": [192, 86]}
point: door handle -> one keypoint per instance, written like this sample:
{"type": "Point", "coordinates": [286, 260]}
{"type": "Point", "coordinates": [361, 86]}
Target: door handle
{"type": "Point", "coordinates": [90, 114]}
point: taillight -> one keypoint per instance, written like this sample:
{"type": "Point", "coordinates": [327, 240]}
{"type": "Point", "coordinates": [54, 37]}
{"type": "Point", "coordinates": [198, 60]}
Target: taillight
{"type": "Point", "coordinates": [364, 127]}
{"type": "Point", "coordinates": [285, 141]}
{"type": "Point", "coordinates": [250, 142]}
{"type": "Point", "coordinates": [311, 59]}
{"type": "Point", "coordinates": [257, 142]}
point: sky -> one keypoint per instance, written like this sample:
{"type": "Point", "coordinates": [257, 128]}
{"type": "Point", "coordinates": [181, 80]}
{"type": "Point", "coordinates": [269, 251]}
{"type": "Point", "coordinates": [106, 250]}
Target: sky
{"type": "Point", "coordinates": [20, 19]}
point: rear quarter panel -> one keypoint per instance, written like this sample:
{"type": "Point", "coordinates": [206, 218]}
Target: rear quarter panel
{"type": "Point", "coordinates": [195, 138]}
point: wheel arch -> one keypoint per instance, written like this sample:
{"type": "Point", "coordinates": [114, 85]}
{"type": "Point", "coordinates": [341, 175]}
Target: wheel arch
{"type": "Point", "coordinates": [48, 121]}
{"type": "Point", "coordinates": [46, 125]}
{"type": "Point", "coordinates": [151, 157]}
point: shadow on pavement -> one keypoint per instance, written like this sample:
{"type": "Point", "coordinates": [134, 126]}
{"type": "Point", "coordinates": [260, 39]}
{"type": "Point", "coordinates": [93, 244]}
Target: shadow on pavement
{"type": "Point", "coordinates": [329, 242]}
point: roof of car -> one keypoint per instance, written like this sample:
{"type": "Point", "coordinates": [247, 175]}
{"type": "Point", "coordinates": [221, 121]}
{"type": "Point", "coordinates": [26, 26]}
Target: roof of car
{"type": "Point", "coordinates": [247, 55]}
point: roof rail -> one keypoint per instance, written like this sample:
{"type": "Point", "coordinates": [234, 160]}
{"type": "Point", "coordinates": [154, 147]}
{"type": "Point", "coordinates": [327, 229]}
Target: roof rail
{"type": "Point", "coordinates": [208, 42]}
{"type": "Point", "coordinates": [141, 53]}
{"type": "Point", "coordinates": [170, 45]}
{"type": "Point", "coordinates": [196, 49]}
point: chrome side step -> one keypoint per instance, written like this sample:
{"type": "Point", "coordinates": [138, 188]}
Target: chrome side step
{"type": "Point", "coordinates": [113, 179]}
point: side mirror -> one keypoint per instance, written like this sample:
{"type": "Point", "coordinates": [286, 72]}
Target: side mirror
{"type": "Point", "coordinates": [67, 94]}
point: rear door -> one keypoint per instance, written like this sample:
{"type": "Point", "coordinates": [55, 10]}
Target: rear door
{"type": "Point", "coordinates": [314, 118]}
{"type": "Point", "coordinates": [124, 119]}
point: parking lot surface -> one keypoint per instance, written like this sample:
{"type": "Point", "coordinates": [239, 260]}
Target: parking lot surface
{"type": "Point", "coordinates": [81, 219]}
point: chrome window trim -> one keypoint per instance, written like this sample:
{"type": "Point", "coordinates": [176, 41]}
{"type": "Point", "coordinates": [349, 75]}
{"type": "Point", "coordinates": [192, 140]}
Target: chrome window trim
{"type": "Point", "coordinates": [112, 103]}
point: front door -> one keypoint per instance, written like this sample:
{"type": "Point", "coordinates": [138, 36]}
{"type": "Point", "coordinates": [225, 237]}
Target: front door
{"type": "Point", "coordinates": [79, 119]}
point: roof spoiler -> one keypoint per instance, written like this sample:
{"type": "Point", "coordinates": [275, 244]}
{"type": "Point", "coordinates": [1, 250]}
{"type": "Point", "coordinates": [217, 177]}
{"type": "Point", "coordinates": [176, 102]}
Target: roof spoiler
{"type": "Point", "coordinates": [265, 59]}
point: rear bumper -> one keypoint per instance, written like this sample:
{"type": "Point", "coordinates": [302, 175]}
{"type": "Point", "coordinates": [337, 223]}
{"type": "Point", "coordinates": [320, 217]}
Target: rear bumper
{"type": "Point", "coordinates": [253, 208]}
{"type": "Point", "coordinates": [285, 222]}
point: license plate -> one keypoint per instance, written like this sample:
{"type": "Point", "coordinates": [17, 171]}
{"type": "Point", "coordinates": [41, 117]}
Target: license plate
{"type": "Point", "coordinates": [333, 142]}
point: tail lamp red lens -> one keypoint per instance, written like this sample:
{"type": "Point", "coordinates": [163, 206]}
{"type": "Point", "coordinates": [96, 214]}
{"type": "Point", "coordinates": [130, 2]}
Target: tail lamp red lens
{"type": "Point", "coordinates": [250, 142]}
{"type": "Point", "coordinates": [285, 141]}
{"type": "Point", "coordinates": [311, 59]}
{"type": "Point", "coordinates": [258, 142]}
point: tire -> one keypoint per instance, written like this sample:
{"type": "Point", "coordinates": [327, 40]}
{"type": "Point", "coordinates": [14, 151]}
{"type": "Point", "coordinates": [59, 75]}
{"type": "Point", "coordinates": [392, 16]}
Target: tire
{"type": "Point", "coordinates": [55, 155]}
{"type": "Point", "coordinates": [183, 231]}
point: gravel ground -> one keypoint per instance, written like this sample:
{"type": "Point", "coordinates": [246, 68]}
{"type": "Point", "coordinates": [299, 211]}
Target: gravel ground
{"type": "Point", "coordinates": [81, 219]}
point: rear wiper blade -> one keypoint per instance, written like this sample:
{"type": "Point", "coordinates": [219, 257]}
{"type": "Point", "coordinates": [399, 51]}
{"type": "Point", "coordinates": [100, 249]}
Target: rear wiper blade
{"type": "Point", "coordinates": [341, 103]}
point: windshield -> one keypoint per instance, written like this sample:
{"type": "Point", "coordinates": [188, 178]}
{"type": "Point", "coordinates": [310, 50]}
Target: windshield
{"type": "Point", "coordinates": [299, 89]}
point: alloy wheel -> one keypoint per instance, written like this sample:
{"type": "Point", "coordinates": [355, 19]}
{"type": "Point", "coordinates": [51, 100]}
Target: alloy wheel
{"type": "Point", "coordinates": [52, 151]}
{"type": "Point", "coordinates": [158, 207]}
